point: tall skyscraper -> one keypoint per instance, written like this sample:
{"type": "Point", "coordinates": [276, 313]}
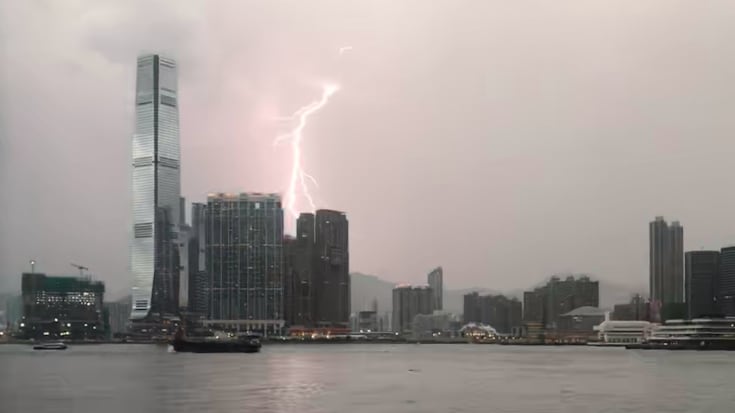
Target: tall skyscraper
{"type": "Point", "coordinates": [676, 246]}
{"type": "Point", "coordinates": [401, 309]}
{"type": "Point", "coordinates": [332, 269]}
{"type": "Point", "coordinates": [666, 278]}
{"type": "Point", "coordinates": [156, 190]}
{"type": "Point", "coordinates": [701, 274]}
{"type": "Point", "coordinates": [244, 258]}
{"type": "Point", "coordinates": [299, 274]}
{"type": "Point", "coordinates": [198, 280]}
{"type": "Point", "coordinates": [726, 283]}
{"type": "Point", "coordinates": [436, 282]}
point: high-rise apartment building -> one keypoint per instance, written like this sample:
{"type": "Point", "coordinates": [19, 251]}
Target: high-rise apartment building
{"type": "Point", "coordinates": [244, 260]}
{"type": "Point", "coordinates": [568, 294]}
{"type": "Point", "coordinates": [559, 296]}
{"type": "Point", "coordinates": [666, 259]}
{"type": "Point", "coordinates": [299, 258]}
{"type": "Point", "coordinates": [498, 311]}
{"type": "Point", "coordinates": [408, 302]}
{"type": "Point", "coordinates": [316, 274]}
{"type": "Point", "coordinates": [436, 282]}
{"type": "Point", "coordinates": [702, 270]}
{"type": "Point", "coordinates": [471, 308]}
{"type": "Point", "coordinates": [156, 190]}
{"type": "Point", "coordinates": [534, 306]}
{"type": "Point", "coordinates": [331, 269]}
{"type": "Point", "coordinates": [726, 284]}
{"type": "Point", "coordinates": [676, 246]}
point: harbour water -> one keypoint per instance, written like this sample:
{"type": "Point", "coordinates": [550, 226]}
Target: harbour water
{"type": "Point", "coordinates": [365, 378]}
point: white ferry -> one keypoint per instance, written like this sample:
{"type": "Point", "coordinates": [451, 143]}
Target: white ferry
{"type": "Point", "coordinates": [695, 334]}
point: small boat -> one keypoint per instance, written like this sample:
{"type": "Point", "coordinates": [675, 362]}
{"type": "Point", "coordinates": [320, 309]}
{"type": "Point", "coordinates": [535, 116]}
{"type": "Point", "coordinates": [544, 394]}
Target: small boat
{"type": "Point", "coordinates": [50, 346]}
{"type": "Point", "coordinates": [216, 343]}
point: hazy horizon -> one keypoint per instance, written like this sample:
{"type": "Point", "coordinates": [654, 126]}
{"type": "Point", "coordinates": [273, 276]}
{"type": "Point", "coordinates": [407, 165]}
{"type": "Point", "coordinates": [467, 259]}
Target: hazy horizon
{"type": "Point", "coordinates": [504, 143]}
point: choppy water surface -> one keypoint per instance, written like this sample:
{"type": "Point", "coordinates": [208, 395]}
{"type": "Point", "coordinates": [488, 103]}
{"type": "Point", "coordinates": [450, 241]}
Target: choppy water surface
{"type": "Point", "coordinates": [365, 378]}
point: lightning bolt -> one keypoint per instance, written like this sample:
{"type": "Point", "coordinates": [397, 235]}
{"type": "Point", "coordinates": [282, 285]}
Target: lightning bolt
{"type": "Point", "coordinates": [299, 177]}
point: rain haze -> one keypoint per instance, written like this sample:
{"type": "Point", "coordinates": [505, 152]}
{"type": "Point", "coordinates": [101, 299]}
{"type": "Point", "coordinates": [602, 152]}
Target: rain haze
{"type": "Point", "coordinates": [504, 141]}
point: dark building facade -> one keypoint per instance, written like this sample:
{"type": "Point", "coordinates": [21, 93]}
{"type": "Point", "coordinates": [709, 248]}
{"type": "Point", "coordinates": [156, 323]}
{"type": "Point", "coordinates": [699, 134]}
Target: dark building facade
{"type": "Point", "coordinates": [198, 281]}
{"type": "Point", "coordinates": [638, 309]}
{"type": "Point", "coordinates": [726, 284]}
{"type": "Point", "coordinates": [565, 295]}
{"type": "Point", "coordinates": [498, 311]}
{"type": "Point", "coordinates": [244, 260]}
{"type": "Point", "coordinates": [300, 262]}
{"type": "Point", "coordinates": [331, 269]}
{"type": "Point", "coordinates": [436, 282]}
{"type": "Point", "coordinates": [165, 299]}
{"type": "Point", "coordinates": [408, 302]}
{"type": "Point", "coordinates": [61, 307]}
{"type": "Point", "coordinates": [534, 305]}
{"type": "Point", "coordinates": [559, 296]}
{"type": "Point", "coordinates": [666, 258]}
{"type": "Point", "coordinates": [702, 270]}
{"type": "Point", "coordinates": [290, 282]}
{"type": "Point", "coordinates": [471, 306]}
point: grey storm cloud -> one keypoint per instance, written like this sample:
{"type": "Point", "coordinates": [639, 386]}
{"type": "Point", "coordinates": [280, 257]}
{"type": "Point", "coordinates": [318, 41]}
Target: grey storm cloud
{"type": "Point", "coordinates": [503, 141]}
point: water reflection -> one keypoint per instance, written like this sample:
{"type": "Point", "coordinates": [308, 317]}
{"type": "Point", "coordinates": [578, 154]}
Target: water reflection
{"type": "Point", "coordinates": [364, 378]}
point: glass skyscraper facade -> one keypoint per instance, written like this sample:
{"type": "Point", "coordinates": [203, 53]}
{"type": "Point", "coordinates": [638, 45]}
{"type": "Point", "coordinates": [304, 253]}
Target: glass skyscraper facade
{"type": "Point", "coordinates": [244, 260]}
{"type": "Point", "coordinates": [156, 189]}
{"type": "Point", "coordinates": [701, 273]}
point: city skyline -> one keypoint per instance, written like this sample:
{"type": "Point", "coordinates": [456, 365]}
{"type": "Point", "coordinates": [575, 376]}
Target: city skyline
{"type": "Point", "coordinates": [520, 168]}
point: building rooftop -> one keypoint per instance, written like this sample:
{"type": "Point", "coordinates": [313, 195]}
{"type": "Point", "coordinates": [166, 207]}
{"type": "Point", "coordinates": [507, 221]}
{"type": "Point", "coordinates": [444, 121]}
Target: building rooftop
{"type": "Point", "coordinates": [586, 311]}
{"type": "Point", "coordinates": [61, 284]}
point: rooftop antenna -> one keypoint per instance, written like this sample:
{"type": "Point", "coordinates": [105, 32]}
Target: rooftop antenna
{"type": "Point", "coordinates": [33, 266]}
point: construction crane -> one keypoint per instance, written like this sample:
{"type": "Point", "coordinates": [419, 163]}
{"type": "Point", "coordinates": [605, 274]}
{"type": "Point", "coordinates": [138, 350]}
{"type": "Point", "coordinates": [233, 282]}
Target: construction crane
{"type": "Point", "coordinates": [81, 269]}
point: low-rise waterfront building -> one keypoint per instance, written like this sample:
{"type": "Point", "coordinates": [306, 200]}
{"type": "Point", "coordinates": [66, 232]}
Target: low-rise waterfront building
{"type": "Point", "coordinates": [622, 332]}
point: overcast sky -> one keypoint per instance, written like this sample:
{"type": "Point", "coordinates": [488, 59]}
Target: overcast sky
{"type": "Point", "coordinates": [505, 141]}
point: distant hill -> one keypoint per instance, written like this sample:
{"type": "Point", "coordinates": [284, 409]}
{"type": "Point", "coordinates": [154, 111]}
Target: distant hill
{"type": "Point", "coordinates": [366, 288]}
